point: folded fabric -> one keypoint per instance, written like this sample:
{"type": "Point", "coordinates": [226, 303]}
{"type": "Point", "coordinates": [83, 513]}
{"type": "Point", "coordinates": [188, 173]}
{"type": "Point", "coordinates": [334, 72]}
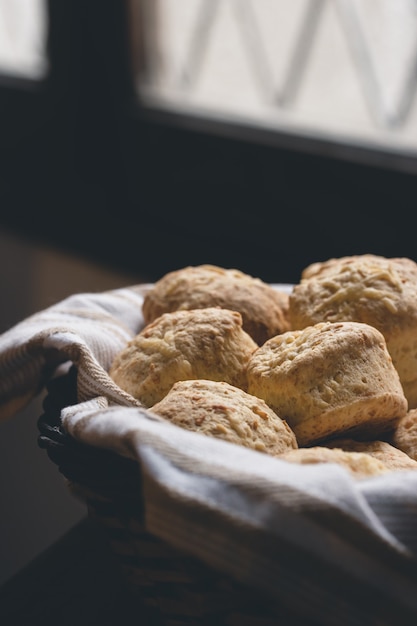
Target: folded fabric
{"type": "Point", "coordinates": [311, 535]}
{"type": "Point", "coordinates": [86, 329]}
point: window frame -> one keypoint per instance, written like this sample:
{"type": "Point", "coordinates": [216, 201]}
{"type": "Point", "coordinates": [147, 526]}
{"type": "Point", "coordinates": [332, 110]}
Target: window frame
{"type": "Point", "coordinates": [87, 166]}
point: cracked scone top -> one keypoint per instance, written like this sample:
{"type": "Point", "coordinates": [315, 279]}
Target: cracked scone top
{"type": "Point", "coordinates": [264, 309]}
{"type": "Point", "coordinates": [220, 410]}
{"type": "Point", "coordinates": [182, 345]}
{"type": "Point", "coordinates": [365, 288]}
{"type": "Point", "coordinates": [329, 379]}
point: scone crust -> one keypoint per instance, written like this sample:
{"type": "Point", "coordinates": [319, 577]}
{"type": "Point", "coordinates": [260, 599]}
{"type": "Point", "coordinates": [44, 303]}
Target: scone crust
{"type": "Point", "coordinates": [359, 464]}
{"type": "Point", "coordinates": [201, 343]}
{"type": "Point", "coordinates": [365, 288]}
{"type": "Point", "coordinates": [328, 379]}
{"type": "Point", "coordinates": [404, 435]}
{"type": "Point", "coordinates": [391, 456]}
{"type": "Point", "coordinates": [223, 411]}
{"type": "Point", "coordinates": [264, 309]}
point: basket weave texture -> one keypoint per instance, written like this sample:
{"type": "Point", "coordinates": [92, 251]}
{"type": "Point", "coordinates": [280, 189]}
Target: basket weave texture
{"type": "Point", "coordinates": [171, 588]}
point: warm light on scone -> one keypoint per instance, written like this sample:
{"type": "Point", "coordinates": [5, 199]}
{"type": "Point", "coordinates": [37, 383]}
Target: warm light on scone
{"type": "Point", "coordinates": [329, 379]}
{"type": "Point", "coordinates": [392, 457]}
{"type": "Point", "coordinates": [264, 309]}
{"type": "Point", "coordinates": [182, 345]}
{"type": "Point", "coordinates": [359, 464]}
{"type": "Point", "coordinates": [365, 288]}
{"type": "Point", "coordinates": [404, 435]}
{"type": "Point", "coordinates": [220, 410]}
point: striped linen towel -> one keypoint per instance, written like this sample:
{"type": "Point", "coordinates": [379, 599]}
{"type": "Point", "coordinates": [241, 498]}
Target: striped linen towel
{"type": "Point", "coordinates": [339, 550]}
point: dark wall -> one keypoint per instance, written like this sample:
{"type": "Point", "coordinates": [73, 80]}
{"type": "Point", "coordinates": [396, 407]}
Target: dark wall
{"type": "Point", "coordinates": [83, 166]}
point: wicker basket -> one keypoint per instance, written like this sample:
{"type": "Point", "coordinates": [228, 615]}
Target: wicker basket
{"type": "Point", "coordinates": [172, 588]}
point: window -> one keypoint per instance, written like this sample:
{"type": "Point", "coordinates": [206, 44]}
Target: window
{"type": "Point", "coordinates": [246, 135]}
{"type": "Point", "coordinates": [340, 71]}
{"type": "Point", "coordinates": [23, 32]}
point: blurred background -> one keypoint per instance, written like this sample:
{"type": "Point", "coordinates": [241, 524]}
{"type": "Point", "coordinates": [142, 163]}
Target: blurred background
{"type": "Point", "coordinates": [139, 136]}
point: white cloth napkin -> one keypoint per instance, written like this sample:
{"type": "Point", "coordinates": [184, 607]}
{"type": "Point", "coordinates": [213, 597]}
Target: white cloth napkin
{"type": "Point", "coordinates": [339, 550]}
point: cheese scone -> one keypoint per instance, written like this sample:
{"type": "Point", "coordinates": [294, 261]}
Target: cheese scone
{"type": "Point", "coordinates": [365, 288]}
{"type": "Point", "coordinates": [391, 456]}
{"type": "Point", "coordinates": [359, 464]}
{"type": "Point", "coordinates": [220, 410]}
{"type": "Point", "coordinates": [264, 308]}
{"type": "Point", "coordinates": [404, 435]}
{"type": "Point", "coordinates": [329, 379]}
{"type": "Point", "coordinates": [182, 345]}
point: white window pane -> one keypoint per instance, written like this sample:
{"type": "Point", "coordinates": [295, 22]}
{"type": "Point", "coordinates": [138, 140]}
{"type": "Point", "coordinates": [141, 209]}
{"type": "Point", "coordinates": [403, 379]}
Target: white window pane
{"type": "Point", "coordinates": [339, 69]}
{"type": "Point", "coordinates": [23, 31]}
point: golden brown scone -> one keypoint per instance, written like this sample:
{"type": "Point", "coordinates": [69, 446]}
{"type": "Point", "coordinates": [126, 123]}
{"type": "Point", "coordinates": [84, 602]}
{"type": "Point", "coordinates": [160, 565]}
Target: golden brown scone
{"type": "Point", "coordinates": [360, 464]}
{"type": "Point", "coordinates": [328, 380]}
{"type": "Point", "coordinates": [365, 288]}
{"type": "Point", "coordinates": [221, 410]}
{"type": "Point", "coordinates": [404, 436]}
{"type": "Point", "coordinates": [391, 456]}
{"type": "Point", "coordinates": [182, 345]}
{"type": "Point", "coordinates": [264, 308]}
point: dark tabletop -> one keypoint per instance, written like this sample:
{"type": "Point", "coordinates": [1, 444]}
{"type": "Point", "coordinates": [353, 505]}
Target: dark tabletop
{"type": "Point", "coordinates": [73, 583]}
